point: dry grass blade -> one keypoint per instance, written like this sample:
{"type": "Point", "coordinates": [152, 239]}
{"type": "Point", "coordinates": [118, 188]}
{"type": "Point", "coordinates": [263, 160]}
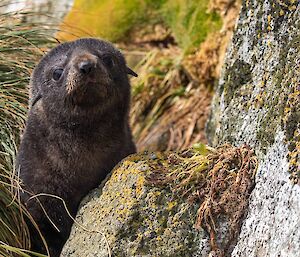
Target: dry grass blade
{"type": "Point", "coordinates": [169, 108]}
{"type": "Point", "coordinates": [219, 180]}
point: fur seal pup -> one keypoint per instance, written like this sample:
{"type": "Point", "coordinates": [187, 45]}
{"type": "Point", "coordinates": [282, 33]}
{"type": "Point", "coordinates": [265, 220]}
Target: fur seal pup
{"type": "Point", "coordinates": [77, 131]}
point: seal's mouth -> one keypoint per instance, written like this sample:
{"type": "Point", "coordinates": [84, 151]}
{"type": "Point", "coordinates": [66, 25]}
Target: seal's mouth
{"type": "Point", "coordinates": [77, 83]}
{"type": "Point", "coordinates": [87, 93]}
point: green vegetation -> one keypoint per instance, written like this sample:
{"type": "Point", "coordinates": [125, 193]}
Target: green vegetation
{"type": "Point", "coordinates": [21, 45]}
{"type": "Point", "coordinates": [108, 19]}
{"type": "Point", "coordinates": [190, 21]}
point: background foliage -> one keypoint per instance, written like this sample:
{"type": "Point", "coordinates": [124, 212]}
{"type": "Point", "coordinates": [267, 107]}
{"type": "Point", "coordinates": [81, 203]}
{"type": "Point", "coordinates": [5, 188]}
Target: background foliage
{"type": "Point", "coordinates": [190, 21]}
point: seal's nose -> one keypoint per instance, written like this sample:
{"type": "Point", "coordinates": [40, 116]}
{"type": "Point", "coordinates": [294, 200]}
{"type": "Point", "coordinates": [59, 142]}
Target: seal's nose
{"type": "Point", "coordinates": [86, 67]}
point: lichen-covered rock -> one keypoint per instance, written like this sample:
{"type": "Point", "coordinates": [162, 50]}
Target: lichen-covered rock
{"type": "Point", "coordinates": [258, 103]}
{"type": "Point", "coordinates": [187, 203]}
{"type": "Point", "coordinates": [127, 218]}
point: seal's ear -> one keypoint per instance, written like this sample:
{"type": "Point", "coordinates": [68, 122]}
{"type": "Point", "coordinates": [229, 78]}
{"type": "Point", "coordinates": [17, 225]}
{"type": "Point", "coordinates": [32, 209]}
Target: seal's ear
{"type": "Point", "coordinates": [131, 72]}
{"type": "Point", "coordinates": [35, 99]}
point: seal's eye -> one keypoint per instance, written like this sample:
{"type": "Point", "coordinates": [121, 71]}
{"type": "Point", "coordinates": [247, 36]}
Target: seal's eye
{"type": "Point", "coordinates": [108, 61]}
{"type": "Point", "coordinates": [57, 74]}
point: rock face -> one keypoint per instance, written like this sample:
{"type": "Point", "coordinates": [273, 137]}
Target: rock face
{"type": "Point", "coordinates": [258, 103]}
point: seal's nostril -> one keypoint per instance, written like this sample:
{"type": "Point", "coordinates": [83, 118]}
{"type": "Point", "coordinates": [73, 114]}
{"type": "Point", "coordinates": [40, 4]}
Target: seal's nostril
{"type": "Point", "coordinates": [85, 67]}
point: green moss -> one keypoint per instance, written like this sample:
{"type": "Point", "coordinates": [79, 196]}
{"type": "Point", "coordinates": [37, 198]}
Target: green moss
{"type": "Point", "coordinates": [267, 130]}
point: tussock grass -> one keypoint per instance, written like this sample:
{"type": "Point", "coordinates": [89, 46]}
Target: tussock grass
{"type": "Point", "coordinates": [169, 108]}
{"type": "Point", "coordinates": [22, 44]}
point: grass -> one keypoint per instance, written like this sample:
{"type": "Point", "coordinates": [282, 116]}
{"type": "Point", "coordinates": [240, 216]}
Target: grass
{"type": "Point", "coordinates": [169, 108]}
{"type": "Point", "coordinates": [22, 44]}
{"type": "Point", "coordinates": [109, 19]}
{"type": "Point", "coordinates": [190, 20]}
{"type": "Point", "coordinates": [160, 80]}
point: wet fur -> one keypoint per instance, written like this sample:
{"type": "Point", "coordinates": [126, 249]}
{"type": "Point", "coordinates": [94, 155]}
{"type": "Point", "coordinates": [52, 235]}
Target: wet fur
{"type": "Point", "coordinates": [76, 132]}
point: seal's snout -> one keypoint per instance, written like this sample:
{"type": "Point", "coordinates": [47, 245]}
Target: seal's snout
{"type": "Point", "coordinates": [85, 63]}
{"type": "Point", "coordinates": [81, 72]}
{"type": "Point", "coordinates": [86, 67]}
{"type": "Point", "coordinates": [87, 79]}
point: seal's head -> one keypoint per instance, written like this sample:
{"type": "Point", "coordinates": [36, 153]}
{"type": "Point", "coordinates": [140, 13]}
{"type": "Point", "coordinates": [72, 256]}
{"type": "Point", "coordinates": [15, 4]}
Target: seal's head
{"type": "Point", "coordinates": [79, 76]}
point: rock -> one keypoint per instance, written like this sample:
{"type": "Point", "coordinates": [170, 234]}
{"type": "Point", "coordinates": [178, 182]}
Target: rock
{"type": "Point", "coordinates": [258, 102]}
{"type": "Point", "coordinates": [187, 203]}
{"type": "Point", "coordinates": [134, 219]}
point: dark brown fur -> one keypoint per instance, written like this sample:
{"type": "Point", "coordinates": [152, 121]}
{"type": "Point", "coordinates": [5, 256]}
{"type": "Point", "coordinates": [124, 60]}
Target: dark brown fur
{"type": "Point", "coordinates": [77, 131]}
